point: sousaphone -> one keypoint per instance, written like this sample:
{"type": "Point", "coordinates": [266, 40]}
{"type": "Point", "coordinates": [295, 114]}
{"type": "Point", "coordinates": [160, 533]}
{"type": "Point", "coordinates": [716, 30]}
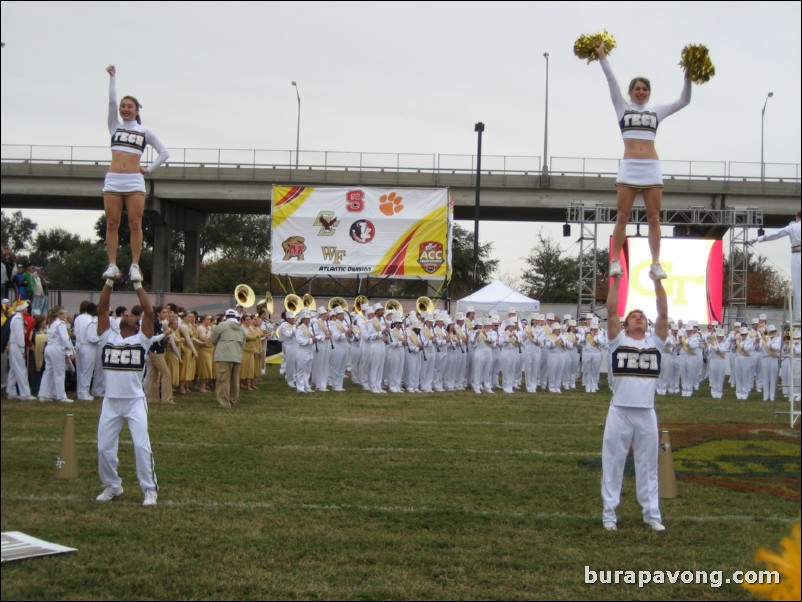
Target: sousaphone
{"type": "Point", "coordinates": [244, 295]}
{"type": "Point", "coordinates": [360, 302]}
{"type": "Point", "coordinates": [293, 303]}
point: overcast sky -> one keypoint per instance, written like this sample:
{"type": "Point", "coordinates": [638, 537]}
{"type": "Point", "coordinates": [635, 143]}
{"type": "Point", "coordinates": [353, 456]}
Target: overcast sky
{"type": "Point", "coordinates": [401, 77]}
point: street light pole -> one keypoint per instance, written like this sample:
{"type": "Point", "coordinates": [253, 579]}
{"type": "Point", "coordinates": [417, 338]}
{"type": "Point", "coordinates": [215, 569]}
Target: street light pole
{"type": "Point", "coordinates": [298, 133]}
{"type": "Point", "coordinates": [546, 128]}
{"type": "Point", "coordinates": [762, 119]}
{"type": "Point", "coordinates": [478, 128]}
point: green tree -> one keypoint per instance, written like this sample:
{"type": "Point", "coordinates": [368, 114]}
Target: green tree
{"type": "Point", "coordinates": [462, 263]}
{"type": "Point", "coordinates": [17, 231]}
{"type": "Point", "coordinates": [54, 245]}
{"type": "Point", "coordinates": [236, 236]}
{"type": "Point", "coordinates": [764, 285]}
{"type": "Point", "coordinates": [550, 276]}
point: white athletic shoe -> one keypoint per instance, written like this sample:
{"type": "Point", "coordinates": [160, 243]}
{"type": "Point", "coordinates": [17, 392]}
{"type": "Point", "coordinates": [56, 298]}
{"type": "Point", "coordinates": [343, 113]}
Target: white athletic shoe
{"type": "Point", "coordinates": [656, 272]}
{"type": "Point", "coordinates": [615, 268]}
{"type": "Point", "coordinates": [134, 273]}
{"type": "Point", "coordinates": [112, 272]}
{"type": "Point", "coordinates": [150, 498]}
{"type": "Point", "coordinates": [610, 526]}
{"type": "Point", "coordinates": [108, 494]}
{"type": "Point", "coordinates": [655, 525]}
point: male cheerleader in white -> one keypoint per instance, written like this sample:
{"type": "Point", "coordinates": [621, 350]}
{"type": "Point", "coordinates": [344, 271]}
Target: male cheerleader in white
{"type": "Point", "coordinates": [631, 420]}
{"type": "Point", "coordinates": [124, 354]}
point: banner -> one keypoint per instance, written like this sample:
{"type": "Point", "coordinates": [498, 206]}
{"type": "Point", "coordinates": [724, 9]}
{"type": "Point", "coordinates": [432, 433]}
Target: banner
{"type": "Point", "coordinates": [350, 232]}
{"type": "Point", "coordinates": [694, 286]}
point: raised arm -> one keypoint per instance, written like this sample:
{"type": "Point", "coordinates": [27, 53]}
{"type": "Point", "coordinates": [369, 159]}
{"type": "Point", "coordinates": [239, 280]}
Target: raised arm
{"type": "Point", "coordinates": [661, 325]}
{"type": "Point", "coordinates": [113, 123]}
{"type": "Point", "coordinates": [613, 323]}
{"type": "Point", "coordinates": [146, 327]}
{"type": "Point", "coordinates": [619, 103]}
{"type": "Point", "coordinates": [103, 323]}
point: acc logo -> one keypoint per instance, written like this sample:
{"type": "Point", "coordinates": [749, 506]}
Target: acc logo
{"type": "Point", "coordinates": [430, 256]}
{"type": "Point", "coordinates": [294, 247]}
{"type": "Point", "coordinates": [327, 222]}
{"type": "Point", "coordinates": [355, 201]}
{"type": "Point", "coordinates": [362, 231]}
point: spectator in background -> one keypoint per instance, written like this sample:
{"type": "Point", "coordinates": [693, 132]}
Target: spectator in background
{"type": "Point", "coordinates": [228, 339]}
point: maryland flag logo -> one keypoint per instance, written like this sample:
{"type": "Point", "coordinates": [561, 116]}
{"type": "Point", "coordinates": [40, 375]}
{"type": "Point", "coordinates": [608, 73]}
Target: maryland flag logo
{"type": "Point", "coordinates": [431, 256]}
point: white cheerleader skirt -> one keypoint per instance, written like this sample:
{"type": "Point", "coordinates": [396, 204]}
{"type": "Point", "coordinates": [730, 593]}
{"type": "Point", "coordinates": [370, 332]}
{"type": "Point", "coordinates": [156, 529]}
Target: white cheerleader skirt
{"type": "Point", "coordinates": [640, 173]}
{"type": "Point", "coordinates": [124, 183]}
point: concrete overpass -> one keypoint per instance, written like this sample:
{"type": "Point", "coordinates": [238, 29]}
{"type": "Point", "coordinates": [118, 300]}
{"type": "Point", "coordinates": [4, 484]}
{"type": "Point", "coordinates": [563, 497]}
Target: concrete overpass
{"type": "Point", "coordinates": [185, 191]}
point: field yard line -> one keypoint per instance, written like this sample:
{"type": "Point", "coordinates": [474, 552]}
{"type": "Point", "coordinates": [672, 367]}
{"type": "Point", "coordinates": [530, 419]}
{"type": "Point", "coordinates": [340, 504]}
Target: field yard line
{"type": "Point", "coordinates": [550, 516]}
{"type": "Point", "coordinates": [326, 448]}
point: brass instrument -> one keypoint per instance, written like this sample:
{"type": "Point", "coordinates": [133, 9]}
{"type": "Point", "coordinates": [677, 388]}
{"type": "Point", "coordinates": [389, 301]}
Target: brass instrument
{"type": "Point", "coordinates": [267, 303]}
{"type": "Point", "coordinates": [293, 303]}
{"type": "Point", "coordinates": [360, 302]}
{"type": "Point", "coordinates": [393, 305]}
{"type": "Point", "coordinates": [338, 302]}
{"type": "Point", "coordinates": [424, 305]}
{"type": "Point", "coordinates": [309, 302]}
{"type": "Point", "coordinates": [244, 295]}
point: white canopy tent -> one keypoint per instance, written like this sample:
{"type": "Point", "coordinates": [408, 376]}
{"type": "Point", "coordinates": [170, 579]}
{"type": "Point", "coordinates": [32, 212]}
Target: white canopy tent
{"type": "Point", "coordinates": [499, 297]}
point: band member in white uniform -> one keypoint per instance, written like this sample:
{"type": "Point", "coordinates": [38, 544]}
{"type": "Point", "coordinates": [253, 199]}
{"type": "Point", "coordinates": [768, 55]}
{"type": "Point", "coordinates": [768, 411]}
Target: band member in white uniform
{"type": "Point", "coordinates": [556, 346]}
{"type": "Point", "coordinates": [595, 343]}
{"type": "Point", "coordinates": [57, 351]}
{"type": "Point", "coordinates": [427, 368]}
{"type": "Point", "coordinates": [414, 359]}
{"type": "Point", "coordinates": [340, 333]}
{"type": "Point", "coordinates": [631, 420]}
{"type": "Point", "coordinates": [794, 232]}
{"type": "Point", "coordinates": [307, 342]}
{"type": "Point", "coordinates": [743, 348]}
{"type": "Point", "coordinates": [124, 356]}
{"type": "Point", "coordinates": [286, 334]}
{"type": "Point", "coordinates": [718, 350]}
{"type": "Point", "coordinates": [770, 347]}
{"type": "Point", "coordinates": [85, 349]}
{"type": "Point", "coordinates": [17, 386]}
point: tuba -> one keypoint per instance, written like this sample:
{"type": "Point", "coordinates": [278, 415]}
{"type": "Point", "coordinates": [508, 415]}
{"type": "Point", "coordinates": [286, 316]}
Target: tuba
{"type": "Point", "coordinates": [424, 305]}
{"type": "Point", "coordinates": [360, 302]}
{"type": "Point", "coordinates": [267, 303]}
{"type": "Point", "coordinates": [393, 305]}
{"type": "Point", "coordinates": [244, 295]}
{"type": "Point", "coordinates": [309, 302]}
{"type": "Point", "coordinates": [338, 302]}
{"type": "Point", "coordinates": [293, 303]}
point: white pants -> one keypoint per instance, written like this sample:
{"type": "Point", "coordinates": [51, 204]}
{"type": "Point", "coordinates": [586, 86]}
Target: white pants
{"type": "Point", "coordinates": [53, 380]}
{"type": "Point", "coordinates": [17, 383]}
{"type": "Point", "coordinates": [636, 427]}
{"type": "Point", "coordinates": [112, 416]}
{"type": "Point", "coordinates": [591, 369]}
{"type": "Point", "coordinates": [85, 365]}
{"type": "Point", "coordinates": [717, 368]}
{"type": "Point", "coordinates": [770, 368]}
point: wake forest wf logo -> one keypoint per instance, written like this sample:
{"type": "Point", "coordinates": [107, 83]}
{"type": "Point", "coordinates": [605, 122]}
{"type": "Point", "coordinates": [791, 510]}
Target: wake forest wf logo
{"type": "Point", "coordinates": [294, 247]}
{"type": "Point", "coordinates": [431, 256]}
{"type": "Point", "coordinates": [327, 222]}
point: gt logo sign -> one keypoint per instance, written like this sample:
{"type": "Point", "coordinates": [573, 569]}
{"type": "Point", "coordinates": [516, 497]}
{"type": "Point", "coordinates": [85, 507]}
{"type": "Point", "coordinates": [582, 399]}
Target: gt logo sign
{"type": "Point", "coordinates": [355, 201]}
{"type": "Point", "coordinates": [431, 256]}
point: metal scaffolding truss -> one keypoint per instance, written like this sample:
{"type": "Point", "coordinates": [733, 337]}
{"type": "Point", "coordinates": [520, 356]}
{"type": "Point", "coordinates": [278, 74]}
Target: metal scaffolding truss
{"type": "Point", "coordinates": [589, 214]}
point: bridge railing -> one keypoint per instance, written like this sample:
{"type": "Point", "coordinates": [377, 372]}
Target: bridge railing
{"type": "Point", "coordinates": [403, 162]}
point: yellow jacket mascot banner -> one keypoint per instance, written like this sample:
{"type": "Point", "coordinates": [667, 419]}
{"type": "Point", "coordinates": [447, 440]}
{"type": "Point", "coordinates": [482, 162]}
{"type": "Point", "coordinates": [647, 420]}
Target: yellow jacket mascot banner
{"type": "Point", "coordinates": [402, 233]}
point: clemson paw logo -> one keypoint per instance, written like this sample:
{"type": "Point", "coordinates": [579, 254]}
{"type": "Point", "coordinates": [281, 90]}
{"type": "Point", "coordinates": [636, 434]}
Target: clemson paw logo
{"type": "Point", "coordinates": [390, 204]}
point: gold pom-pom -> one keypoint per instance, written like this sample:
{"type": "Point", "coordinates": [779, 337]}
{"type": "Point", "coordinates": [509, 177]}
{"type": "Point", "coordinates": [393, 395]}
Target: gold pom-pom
{"type": "Point", "coordinates": [696, 61]}
{"type": "Point", "coordinates": [585, 46]}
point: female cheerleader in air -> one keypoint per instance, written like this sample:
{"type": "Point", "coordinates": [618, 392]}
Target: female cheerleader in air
{"type": "Point", "coordinates": [640, 168]}
{"type": "Point", "coordinates": [124, 185]}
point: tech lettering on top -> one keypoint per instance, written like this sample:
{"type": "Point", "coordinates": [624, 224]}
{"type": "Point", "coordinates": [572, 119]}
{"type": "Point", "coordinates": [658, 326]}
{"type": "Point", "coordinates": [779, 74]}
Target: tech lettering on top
{"type": "Point", "coordinates": [132, 139]}
{"type": "Point", "coordinates": [123, 357]}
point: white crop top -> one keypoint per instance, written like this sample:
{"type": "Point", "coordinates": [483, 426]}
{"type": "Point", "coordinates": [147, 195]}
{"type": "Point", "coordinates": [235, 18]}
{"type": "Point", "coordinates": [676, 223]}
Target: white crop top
{"type": "Point", "coordinates": [131, 136]}
{"type": "Point", "coordinates": [636, 121]}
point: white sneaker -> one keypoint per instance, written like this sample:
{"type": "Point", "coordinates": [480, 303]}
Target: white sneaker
{"type": "Point", "coordinates": [108, 494]}
{"type": "Point", "coordinates": [134, 273]}
{"type": "Point", "coordinates": [65, 400]}
{"type": "Point", "coordinates": [610, 526]}
{"type": "Point", "coordinates": [655, 525]}
{"type": "Point", "coordinates": [112, 272]}
{"type": "Point", "coordinates": [656, 272]}
{"type": "Point", "coordinates": [150, 498]}
{"type": "Point", "coordinates": [615, 268]}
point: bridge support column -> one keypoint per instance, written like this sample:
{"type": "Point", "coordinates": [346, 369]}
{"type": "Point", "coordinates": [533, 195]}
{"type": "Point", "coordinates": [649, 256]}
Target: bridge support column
{"type": "Point", "coordinates": [166, 217]}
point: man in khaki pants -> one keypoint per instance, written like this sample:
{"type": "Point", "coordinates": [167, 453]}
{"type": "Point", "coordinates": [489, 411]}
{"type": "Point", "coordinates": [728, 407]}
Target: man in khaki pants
{"type": "Point", "coordinates": [228, 339]}
{"type": "Point", "coordinates": [159, 382]}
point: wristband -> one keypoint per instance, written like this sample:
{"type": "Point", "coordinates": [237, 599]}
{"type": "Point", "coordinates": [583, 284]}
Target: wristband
{"type": "Point", "coordinates": [137, 285]}
{"type": "Point", "coordinates": [110, 282]}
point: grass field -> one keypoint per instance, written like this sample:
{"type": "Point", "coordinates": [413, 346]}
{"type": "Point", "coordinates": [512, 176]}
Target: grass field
{"type": "Point", "coordinates": [358, 496]}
